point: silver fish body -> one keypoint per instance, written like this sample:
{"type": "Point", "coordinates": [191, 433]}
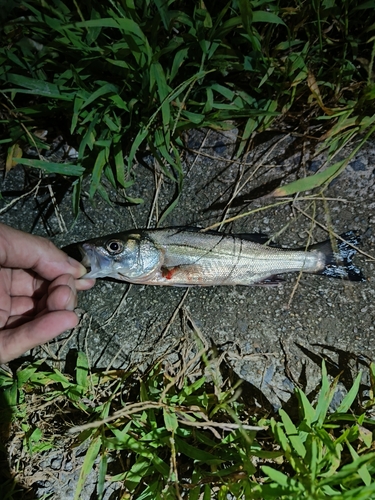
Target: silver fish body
{"type": "Point", "coordinates": [181, 257]}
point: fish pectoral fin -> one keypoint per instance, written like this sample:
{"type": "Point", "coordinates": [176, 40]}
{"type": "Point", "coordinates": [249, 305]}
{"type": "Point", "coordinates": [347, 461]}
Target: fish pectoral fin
{"type": "Point", "coordinates": [270, 281]}
{"type": "Point", "coordinates": [168, 272]}
{"type": "Point", "coordinates": [183, 273]}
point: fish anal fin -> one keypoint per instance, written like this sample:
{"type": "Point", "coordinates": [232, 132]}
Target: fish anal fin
{"type": "Point", "coordinates": [270, 281]}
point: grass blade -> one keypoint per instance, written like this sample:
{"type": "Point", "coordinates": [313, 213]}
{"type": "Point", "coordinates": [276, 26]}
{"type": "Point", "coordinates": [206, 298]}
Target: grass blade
{"type": "Point", "coordinates": [350, 397]}
{"type": "Point", "coordinates": [52, 168]}
{"type": "Point", "coordinates": [90, 457]}
{"type": "Point", "coordinates": [82, 369]}
{"type": "Point", "coordinates": [293, 434]}
{"type": "Point", "coordinates": [100, 161]}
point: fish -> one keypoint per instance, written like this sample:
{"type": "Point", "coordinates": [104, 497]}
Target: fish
{"type": "Point", "coordinates": [189, 257]}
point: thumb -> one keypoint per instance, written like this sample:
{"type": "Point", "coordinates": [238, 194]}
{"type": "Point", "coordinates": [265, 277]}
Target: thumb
{"type": "Point", "coordinates": [16, 341]}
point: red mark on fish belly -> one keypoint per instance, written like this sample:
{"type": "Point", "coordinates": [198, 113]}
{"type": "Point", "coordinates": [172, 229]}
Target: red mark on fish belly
{"type": "Point", "coordinates": [183, 274]}
{"type": "Point", "coordinates": [168, 273]}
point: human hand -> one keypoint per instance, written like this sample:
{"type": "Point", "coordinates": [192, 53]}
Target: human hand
{"type": "Point", "coordinates": [38, 291]}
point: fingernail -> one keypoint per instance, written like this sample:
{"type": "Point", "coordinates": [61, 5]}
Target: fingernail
{"type": "Point", "coordinates": [82, 270]}
{"type": "Point", "coordinates": [85, 283]}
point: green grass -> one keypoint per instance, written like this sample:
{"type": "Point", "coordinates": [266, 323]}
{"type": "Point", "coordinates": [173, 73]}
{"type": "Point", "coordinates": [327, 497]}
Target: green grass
{"type": "Point", "coordinates": [165, 436]}
{"type": "Point", "coordinates": [120, 79]}
{"type": "Point", "coordinates": [127, 78]}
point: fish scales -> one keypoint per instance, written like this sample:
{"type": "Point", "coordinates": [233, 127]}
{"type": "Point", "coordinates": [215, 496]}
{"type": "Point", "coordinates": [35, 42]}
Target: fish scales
{"type": "Point", "coordinates": [225, 259]}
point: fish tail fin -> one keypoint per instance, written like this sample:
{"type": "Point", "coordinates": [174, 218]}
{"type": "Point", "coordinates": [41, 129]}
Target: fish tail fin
{"type": "Point", "coordinates": [339, 262]}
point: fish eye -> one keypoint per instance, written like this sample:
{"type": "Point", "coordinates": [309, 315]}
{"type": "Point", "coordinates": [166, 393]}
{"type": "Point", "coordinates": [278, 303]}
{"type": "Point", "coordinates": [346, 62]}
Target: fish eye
{"type": "Point", "coordinates": [114, 246]}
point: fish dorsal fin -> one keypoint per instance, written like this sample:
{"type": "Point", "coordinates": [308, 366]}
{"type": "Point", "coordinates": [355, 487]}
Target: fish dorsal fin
{"type": "Point", "coordinates": [260, 238]}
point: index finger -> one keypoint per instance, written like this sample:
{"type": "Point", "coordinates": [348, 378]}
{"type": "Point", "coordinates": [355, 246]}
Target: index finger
{"type": "Point", "coordinates": [26, 251]}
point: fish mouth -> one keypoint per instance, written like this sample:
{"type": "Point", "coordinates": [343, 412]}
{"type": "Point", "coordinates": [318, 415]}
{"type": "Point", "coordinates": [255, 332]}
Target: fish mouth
{"type": "Point", "coordinates": [86, 261]}
{"type": "Point", "coordinates": [92, 262]}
